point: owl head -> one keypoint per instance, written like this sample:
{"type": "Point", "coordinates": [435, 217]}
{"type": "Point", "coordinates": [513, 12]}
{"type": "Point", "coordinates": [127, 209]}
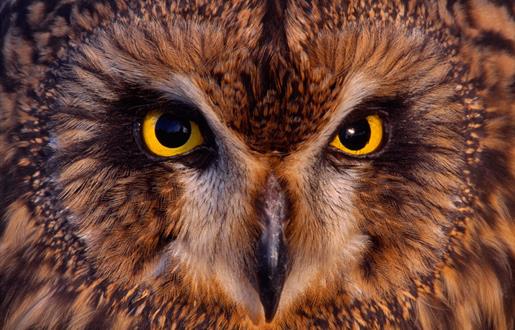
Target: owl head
{"type": "Point", "coordinates": [256, 157]}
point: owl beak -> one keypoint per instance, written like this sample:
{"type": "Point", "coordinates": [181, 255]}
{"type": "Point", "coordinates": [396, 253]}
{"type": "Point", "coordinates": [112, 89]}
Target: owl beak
{"type": "Point", "coordinates": [271, 252]}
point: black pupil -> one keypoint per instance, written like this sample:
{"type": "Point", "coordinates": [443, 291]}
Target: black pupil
{"type": "Point", "coordinates": [355, 136]}
{"type": "Point", "coordinates": [171, 131]}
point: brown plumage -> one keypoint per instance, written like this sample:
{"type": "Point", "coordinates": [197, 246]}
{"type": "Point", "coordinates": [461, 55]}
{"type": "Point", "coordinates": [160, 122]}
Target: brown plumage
{"type": "Point", "coordinates": [265, 224]}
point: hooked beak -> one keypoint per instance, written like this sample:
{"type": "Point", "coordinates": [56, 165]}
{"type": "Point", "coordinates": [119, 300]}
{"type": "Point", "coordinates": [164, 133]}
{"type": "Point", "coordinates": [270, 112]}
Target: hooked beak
{"type": "Point", "coordinates": [271, 252]}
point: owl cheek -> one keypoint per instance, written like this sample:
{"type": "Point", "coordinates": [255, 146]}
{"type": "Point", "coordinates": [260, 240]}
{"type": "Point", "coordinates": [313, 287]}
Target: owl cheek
{"type": "Point", "coordinates": [271, 252]}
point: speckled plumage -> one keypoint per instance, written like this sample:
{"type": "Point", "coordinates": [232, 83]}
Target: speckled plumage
{"type": "Point", "coordinates": [94, 234]}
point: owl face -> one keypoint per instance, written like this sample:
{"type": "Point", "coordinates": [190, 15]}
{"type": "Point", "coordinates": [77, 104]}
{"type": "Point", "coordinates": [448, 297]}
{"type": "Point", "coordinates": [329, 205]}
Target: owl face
{"type": "Point", "coordinates": [197, 157]}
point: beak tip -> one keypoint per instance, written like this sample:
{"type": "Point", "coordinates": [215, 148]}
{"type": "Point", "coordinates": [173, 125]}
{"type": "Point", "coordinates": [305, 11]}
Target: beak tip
{"type": "Point", "coordinates": [271, 278]}
{"type": "Point", "coordinates": [270, 302]}
{"type": "Point", "coordinates": [269, 316]}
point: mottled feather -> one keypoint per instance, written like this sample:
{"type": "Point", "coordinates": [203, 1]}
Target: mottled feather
{"type": "Point", "coordinates": [95, 234]}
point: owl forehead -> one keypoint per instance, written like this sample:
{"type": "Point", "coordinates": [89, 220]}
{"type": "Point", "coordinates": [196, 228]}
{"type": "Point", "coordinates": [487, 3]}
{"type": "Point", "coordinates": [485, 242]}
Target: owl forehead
{"type": "Point", "coordinates": [258, 86]}
{"type": "Point", "coordinates": [274, 109]}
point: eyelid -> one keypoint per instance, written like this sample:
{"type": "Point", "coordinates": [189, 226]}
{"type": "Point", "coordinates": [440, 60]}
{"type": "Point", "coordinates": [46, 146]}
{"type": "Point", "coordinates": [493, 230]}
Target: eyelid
{"type": "Point", "coordinates": [182, 110]}
{"type": "Point", "coordinates": [358, 114]}
{"type": "Point", "coordinates": [174, 107]}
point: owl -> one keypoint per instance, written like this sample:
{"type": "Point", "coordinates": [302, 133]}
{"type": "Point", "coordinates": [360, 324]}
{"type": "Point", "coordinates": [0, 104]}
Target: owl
{"type": "Point", "coordinates": [252, 164]}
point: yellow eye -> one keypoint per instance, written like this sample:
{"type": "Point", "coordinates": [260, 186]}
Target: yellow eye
{"type": "Point", "coordinates": [361, 137]}
{"type": "Point", "coordinates": [166, 135]}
